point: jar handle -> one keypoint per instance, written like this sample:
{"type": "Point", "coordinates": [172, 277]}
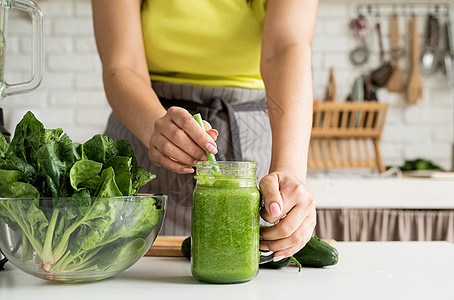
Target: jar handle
{"type": "Point", "coordinates": [265, 256]}
{"type": "Point", "coordinates": [37, 56]}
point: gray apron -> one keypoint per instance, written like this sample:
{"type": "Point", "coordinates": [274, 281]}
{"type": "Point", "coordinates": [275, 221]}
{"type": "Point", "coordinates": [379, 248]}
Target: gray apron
{"type": "Point", "coordinates": [240, 116]}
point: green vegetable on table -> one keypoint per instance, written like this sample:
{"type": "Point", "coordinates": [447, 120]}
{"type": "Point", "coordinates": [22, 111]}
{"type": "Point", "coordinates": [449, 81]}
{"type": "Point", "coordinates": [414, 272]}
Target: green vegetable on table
{"type": "Point", "coordinates": [76, 222]}
{"type": "Point", "coordinates": [316, 254]}
{"type": "Point", "coordinates": [418, 164]}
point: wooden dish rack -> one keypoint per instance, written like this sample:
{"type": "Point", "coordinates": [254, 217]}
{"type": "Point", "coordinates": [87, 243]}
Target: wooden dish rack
{"type": "Point", "coordinates": [347, 135]}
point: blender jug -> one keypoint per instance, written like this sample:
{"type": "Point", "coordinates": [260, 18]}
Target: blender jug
{"type": "Point", "coordinates": [37, 24]}
{"type": "Point", "coordinates": [7, 89]}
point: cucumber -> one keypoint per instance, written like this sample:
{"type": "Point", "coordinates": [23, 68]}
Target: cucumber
{"type": "Point", "coordinates": [186, 247]}
{"type": "Point", "coordinates": [317, 254]}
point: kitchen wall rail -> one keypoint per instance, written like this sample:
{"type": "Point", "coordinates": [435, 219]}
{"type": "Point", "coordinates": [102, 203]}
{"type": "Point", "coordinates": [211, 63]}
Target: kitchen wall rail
{"type": "Point", "coordinates": [407, 9]}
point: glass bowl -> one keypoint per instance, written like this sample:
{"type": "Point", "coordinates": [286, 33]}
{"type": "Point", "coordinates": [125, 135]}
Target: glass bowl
{"type": "Point", "coordinates": [79, 239]}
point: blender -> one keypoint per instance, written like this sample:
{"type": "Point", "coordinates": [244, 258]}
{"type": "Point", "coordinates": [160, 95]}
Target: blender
{"type": "Point", "coordinates": [7, 89]}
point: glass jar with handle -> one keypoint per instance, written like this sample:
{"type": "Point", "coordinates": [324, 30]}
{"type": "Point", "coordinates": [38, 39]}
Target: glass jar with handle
{"type": "Point", "coordinates": [225, 222]}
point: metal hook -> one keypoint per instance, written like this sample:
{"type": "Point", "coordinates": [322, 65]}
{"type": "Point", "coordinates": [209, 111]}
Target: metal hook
{"type": "Point", "coordinates": [369, 9]}
{"type": "Point", "coordinates": [377, 11]}
{"type": "Point", "coordinates": [412, 10]}
{"type": "Point", "coordinates": [447, 10]}
{"type": "Point", "coordinates": [394, 8]}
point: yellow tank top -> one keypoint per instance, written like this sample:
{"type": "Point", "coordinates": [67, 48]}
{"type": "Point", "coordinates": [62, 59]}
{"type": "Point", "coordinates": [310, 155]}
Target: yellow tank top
{"type": "Point", "coordinates": [204, 42]}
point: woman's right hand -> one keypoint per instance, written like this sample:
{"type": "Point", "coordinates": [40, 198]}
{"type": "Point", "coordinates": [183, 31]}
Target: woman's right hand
{"type": "Point", "coordinates": [178, 142]}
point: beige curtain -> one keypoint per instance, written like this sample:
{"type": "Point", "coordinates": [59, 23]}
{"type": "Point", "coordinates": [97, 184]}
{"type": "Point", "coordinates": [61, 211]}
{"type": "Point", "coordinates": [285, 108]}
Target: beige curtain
{"type": "Point", "coordinates": [385, 225]}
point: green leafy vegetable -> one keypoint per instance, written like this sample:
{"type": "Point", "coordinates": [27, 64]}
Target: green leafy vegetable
{"type": "Point", "coordinates": [54, 192]}
{"type": "Point", "coordinates": [100, 148]}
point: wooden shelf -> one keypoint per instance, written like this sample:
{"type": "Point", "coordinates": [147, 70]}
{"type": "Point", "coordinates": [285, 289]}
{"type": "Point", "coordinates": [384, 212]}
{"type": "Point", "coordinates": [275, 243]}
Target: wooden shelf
{"type": "Point", "coordinates": [347, 135]}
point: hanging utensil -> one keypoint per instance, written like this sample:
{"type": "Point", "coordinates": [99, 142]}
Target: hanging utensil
{"type": "Point", "coordinates": [359, 55]}
{"type": "Point", "coordinates": [414, 85]}
{"type": "Point", "coordinates": [396, 81]}
{"type": "Point", "coordinates": [448, 59]}
{"type": "Point", "coordinates": [357, 93]}
{"type": "Point", "coordinates": [330, 93]}
{"type": "Point", "coordinates": [380, 76]}
{"type": "Point", "coordinates": [430, 58]}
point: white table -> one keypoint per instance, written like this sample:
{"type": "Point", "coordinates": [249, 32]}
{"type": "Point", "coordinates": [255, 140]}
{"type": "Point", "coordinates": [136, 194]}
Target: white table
{"type": "Point", "coordinates": [366, 270]}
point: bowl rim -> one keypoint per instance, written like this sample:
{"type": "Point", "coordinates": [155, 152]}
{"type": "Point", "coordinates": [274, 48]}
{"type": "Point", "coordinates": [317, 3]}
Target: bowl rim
{"type": "Point", "coordinates": [139, 196]}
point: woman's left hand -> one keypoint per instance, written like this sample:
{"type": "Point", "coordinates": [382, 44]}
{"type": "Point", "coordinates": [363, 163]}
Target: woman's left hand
{"type": "Point", "coordinates": [288, 201]}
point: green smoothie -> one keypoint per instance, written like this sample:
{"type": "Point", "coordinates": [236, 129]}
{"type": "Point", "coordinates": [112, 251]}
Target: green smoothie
{"type": "Point", "coordinates": [225, 226]}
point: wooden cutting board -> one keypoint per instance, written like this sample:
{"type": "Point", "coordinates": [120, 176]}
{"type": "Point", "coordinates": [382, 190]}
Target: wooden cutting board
{"type": "Point", "coordinates": [167, 245]}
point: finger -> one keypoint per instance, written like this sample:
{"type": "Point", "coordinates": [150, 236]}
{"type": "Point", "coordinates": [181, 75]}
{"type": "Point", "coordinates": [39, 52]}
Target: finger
{"type": "Point", "coordinates": [286, 226]}
{"type": "Point", "coordinates": [297, 207]}
{"type": "Point", "coordinates": [206, 125]}
{"type": "Point", "coordinates": [288, 246]}
{"type": "Point", "coordinates": [181, 140]}
{"type": "Point", "coordinates": [213, 133]}
{"type": "Point", "coordinates": [287, 252]}
{"type": "Point", "coordinates": [169, 149]}
{"type": "Point", "coordinates": [163, 161]}
{"type": "Point", "coordinates": [269, 187]}
{"type": "Point", "coordinates": [183, 119]}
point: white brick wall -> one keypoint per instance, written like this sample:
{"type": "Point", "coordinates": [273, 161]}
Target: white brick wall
{"type": "Point", "coordinates": [71, 94]}
{"type": "Point", "coordinates": [423, 130]}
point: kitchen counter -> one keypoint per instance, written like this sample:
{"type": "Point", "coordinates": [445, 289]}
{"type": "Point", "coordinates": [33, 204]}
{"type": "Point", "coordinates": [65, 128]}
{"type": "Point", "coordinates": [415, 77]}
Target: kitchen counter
{"type": "Point", "coordinates": [366, 270]}
{"type": "Point", "coordinates": [395, 193]}
{"type": "Point", "coordinates": [354, 208]}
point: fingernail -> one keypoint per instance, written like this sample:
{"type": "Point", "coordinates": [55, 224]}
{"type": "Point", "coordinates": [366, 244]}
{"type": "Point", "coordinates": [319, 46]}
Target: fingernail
{"type": "Point", "coordinates": [212, 149]}
{"type": "Point", "coordinates": [264, 247]}
{"type": "Point", "coordinates": [278, 258]}
{"type": "Point", "coordinates": [188, 170]}
{"type": "Point", "coordinates": [275, 210]}
{"type": "Point", "coordinates": [216, 132]}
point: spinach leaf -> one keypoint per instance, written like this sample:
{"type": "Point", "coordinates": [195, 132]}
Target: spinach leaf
{"type": "Point", "coordinates": [55, 159]}
{"type": "Point", "coordinates": [15, 163]}
{"type": "Point", "coordinates": [142, 177]}
{"type": "Point", "coordinates": [50, 135]}
{"type": "Point", "coordinates": [100, 148]}
{"type": "Point", "coordinates": [139, 177]}
{"type": "Point", "coordinates": [122, 168]}
{"type": "Point", "coordinates": [109, 187]}
{"type": "Point", "coordinates": [3, 146]}
{"type": "Point", "coordinates": [53, 169]}
{"type": "Point", "coordinates": [84, 173]}
{"type": "Point", "coordinates": [28, 137]}
{"type": "Point", "coordinates": [10, 187]}
{"type": "Point", "coordinates": [121, 257]}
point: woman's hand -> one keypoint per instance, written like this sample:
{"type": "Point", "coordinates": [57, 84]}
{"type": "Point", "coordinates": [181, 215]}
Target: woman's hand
{"type": "Point", "coordinates": [288, 201]}
{"type": "Point", "coordinates": [178, 142]}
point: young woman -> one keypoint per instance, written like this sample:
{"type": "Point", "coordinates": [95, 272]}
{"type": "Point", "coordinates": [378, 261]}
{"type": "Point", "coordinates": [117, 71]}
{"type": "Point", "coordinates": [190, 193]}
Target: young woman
{"type": "Point", "coordinates": [246, 66]}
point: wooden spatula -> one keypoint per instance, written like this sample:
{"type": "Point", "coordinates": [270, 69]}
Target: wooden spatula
{"type": "Point", "coordinates": [330, 93]}
{"type": "Point", "coordinates": [396, 81]}
{"type": "Point", "coordinates": [414, 85]}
